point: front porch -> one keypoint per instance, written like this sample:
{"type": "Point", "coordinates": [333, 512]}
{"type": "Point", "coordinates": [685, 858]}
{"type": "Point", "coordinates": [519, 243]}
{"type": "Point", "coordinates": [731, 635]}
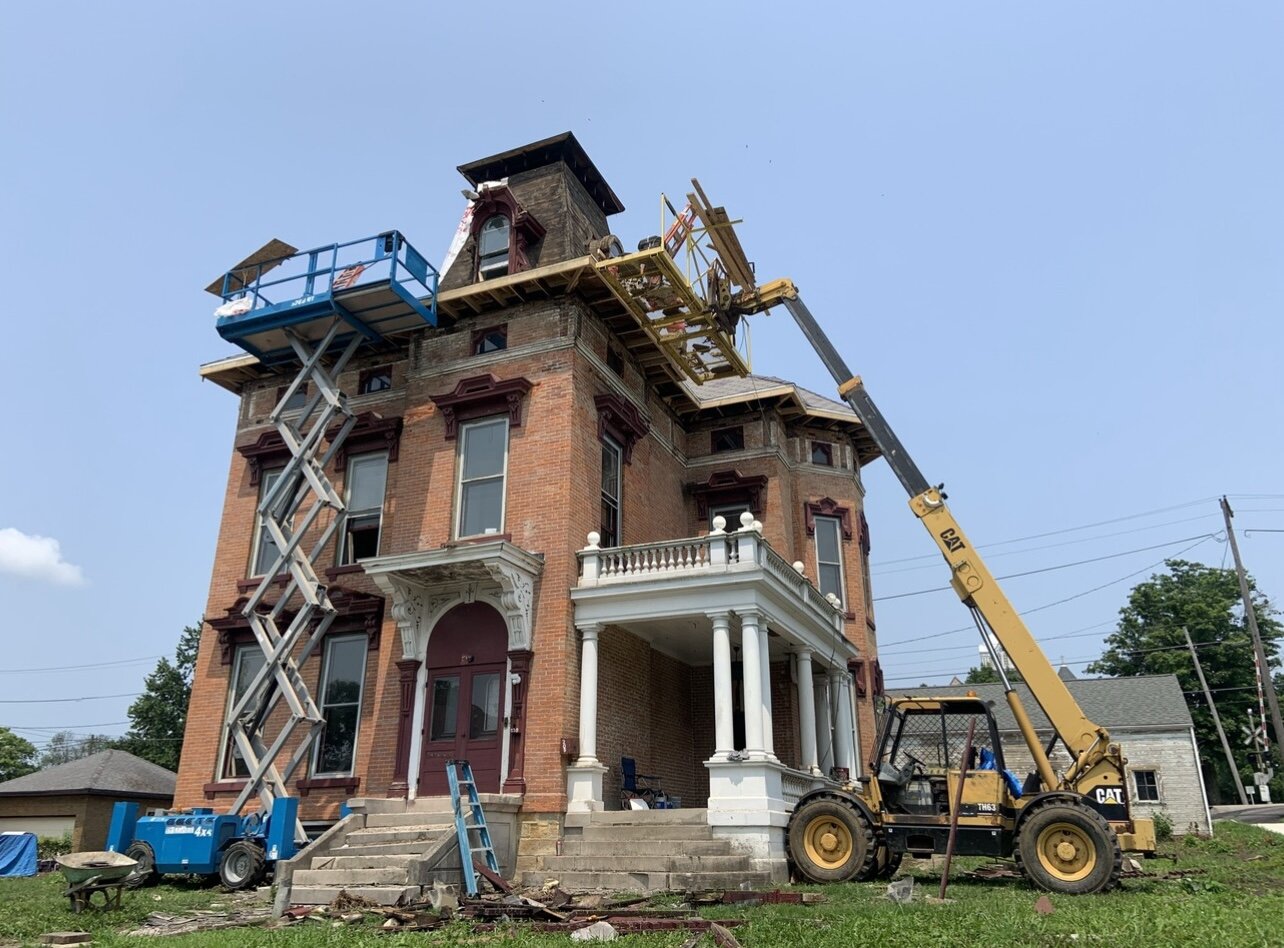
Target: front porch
{"type": "Point", "coordinates": [719, 667]}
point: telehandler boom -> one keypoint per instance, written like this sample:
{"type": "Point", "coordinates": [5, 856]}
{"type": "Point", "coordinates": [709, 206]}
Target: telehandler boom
{"type": "Point", "coordinates": [1065, 829]}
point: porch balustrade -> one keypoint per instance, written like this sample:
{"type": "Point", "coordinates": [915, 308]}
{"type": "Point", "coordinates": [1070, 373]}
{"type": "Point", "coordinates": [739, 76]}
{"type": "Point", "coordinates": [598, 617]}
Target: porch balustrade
{"type": "Point", "coordinates": [795, 784]}
{"type": "Point", "coordinates": [701, 600]}
{"type": "Point", "coordinates": [717, 553]}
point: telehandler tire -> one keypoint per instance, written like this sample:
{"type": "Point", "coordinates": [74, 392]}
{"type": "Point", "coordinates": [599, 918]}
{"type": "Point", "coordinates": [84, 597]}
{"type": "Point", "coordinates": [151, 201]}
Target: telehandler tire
{"type": "Point", "coordinates": [830, 841]}
{"type": "Point", "coordinates": [243, 865]}
{"type": "Point", "coordinates": [1070, 848]}
{"type": "Point", "coordinates": [144, 874]}
{"type": "Point", "coordinates": [887, 862]}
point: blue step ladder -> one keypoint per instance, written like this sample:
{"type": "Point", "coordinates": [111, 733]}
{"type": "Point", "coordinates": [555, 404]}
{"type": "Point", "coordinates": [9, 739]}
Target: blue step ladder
{"type": "Point", "coordinates": [459, 773]}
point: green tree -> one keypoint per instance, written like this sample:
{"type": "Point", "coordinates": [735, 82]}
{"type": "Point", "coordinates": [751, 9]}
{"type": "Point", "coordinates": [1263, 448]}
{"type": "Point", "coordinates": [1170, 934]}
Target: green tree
{"type": "Point", "coordinates": [988, 675]}
{"type": "Point", "coordinates": [17, 755]}
{"type": "Point", "coordinates": [1149, 641]}
{"type": "Point", "coordinates": [158, 716]}
{"type": "Point", "coordinates": [65, 746]}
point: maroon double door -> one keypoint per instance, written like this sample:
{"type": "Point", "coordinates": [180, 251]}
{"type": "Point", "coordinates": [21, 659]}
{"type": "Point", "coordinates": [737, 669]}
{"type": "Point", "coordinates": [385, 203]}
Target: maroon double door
{"type": "Point", "coordinates": [464, 712]}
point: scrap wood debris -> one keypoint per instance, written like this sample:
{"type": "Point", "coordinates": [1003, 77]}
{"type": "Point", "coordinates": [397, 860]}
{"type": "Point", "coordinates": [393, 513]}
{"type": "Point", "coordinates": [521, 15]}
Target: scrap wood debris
{"type": "Point", "coordinates": [1132, 869]}
{"type": "Point", "coordinates": [556, 911]}
{"type": "Point", "coordinates": [160, 923]}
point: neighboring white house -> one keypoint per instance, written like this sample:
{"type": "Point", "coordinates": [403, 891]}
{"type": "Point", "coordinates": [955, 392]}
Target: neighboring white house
{"type": "Point", "coordinates": [1146, 714]}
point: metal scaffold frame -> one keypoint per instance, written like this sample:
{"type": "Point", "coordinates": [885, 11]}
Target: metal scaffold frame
{"type": "Point", "coordinates": [325, 304]}
{"type": "Point", "coordinates": [289, 509]}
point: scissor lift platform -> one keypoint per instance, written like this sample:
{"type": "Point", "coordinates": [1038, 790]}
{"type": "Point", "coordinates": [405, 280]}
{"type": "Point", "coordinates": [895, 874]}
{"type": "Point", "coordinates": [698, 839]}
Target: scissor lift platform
{"type": "Point", "coordinates": [378, 286]}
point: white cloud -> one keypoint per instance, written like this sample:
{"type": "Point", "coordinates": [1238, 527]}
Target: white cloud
{"type": "Point", "coordinates": [35, 557]}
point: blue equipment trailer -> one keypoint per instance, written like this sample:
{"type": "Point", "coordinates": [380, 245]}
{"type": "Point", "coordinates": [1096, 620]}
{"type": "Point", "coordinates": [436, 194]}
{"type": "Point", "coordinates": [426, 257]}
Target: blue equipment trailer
{"type": "Point", "coordinates": [239, 850]}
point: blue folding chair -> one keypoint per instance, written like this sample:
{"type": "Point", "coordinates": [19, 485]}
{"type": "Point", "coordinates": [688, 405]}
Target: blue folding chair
{"type": "Point", "coordinates": [636, 786]}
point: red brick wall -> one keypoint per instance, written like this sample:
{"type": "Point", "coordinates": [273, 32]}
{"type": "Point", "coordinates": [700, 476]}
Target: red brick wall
{"type": "Point", "coordinates": [553, 502]}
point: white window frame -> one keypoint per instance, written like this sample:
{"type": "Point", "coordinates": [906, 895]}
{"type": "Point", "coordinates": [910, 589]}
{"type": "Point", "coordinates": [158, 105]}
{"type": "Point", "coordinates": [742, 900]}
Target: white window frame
{"type": "Point", "coordinates": [265, 484]}
{"type": "Point", "coordinates": [233, 680]}
{"type": "Point", "coordinates": [838, 543]}
{"type": "Point", "coordinates": [459, 476]}
{"type": "Point", "coordinates": [722, 510]}
{"type": "Point", "coordinates": [486, 271]}
{"type": "Point", "coordinates": [361, 696]}
{"type": "Point", "coordinates": [347, 496]}
{"type": "Point", "coordinates": [609, 443]}
{"type": "Point", "coordinates": [1159, 785]}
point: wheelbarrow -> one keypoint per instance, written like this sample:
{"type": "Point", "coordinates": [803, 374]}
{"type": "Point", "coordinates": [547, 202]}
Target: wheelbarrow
{"type": "Point", "coordinates": [95, 872]}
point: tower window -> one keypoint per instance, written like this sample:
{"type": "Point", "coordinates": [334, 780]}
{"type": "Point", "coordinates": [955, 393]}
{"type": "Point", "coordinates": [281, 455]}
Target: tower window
{"type": "Point", "coordinates": [374, 380]}
{"type": "Point", "coordinates": [493, 339]}
{"type": "Point", "coordinates": [492, 248]}
{"type": "Point", "coordinates": [728, 439]}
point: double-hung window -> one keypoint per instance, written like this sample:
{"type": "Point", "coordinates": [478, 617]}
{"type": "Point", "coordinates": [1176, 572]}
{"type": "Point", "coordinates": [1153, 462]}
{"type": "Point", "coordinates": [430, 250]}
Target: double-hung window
{"type": "Point", "coordinates": [483, 463]}
{"type": "Point", "coordinates": [342, 675]}
{"type": "Point", "coordinates": [492, 247]}
{"type": "Point", "coordinates": [265, 549]}
{"type": "Point", "coordinates": [612, 488]}
{"type": "Point", "coordinates": [829, 557]}
{"type": "Point", "coordinates": [246, 662]}
{"type": "Point", "coordinates": [364, 488]}
{"type": "Point", "coordinates": [728, 512]}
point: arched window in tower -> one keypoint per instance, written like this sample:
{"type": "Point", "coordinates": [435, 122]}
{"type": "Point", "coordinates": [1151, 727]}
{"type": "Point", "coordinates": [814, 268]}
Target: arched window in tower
{"type": "Point", "coordinates": [492, 248]}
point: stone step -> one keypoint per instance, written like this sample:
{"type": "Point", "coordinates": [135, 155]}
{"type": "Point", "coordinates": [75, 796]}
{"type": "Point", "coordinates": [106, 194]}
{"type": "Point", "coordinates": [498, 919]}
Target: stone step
{"type": "Point", "coordinates": [632, 863]}
{"type": "Point", "coordinates": [345, 878]}
{"type": "Point", "coordinates": [399, 834]}
{"type": "Point", "coordinates": [629, 831]}
{"type": "Point", "coordinates": [410, 848]}
{"type": "Point", "coordinates": [579, 846]}
{"type": "Point", "coordinates": [688, 815]}
{"type": "Point", "coordinates": [337, 860]}
{"type": "Point", "coordinates": [416, 818]}
{"type": "Point", "coordinates": [583, 881]}
{"type": "Point", "coordinates": [379, 894]}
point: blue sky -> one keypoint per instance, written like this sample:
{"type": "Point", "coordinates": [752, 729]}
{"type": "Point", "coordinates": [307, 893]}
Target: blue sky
{"type": "Point", "coordinates": [1049, 238]}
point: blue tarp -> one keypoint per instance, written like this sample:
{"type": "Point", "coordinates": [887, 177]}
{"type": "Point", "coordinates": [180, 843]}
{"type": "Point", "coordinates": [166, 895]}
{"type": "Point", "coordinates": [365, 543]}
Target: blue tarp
{"type": "Point", "coordinates": [17, 854]}
{"type": "Point", "coordinates": [989, 763]}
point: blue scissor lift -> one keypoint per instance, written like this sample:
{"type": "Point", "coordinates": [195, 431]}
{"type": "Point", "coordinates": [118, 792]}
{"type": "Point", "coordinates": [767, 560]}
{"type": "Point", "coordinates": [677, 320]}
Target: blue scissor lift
{"type": "Point", "coordinates": [314, 309]}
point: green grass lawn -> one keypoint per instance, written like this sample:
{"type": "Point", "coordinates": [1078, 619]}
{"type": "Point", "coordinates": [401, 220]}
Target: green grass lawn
{"type": "Point", "coordinates": [1238, 900]}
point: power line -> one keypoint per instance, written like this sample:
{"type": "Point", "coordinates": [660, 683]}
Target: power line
{"type": "Point", "coordinates": [1058, 602]}
{"type": "Point", "coordinates": [132, 694]}
{"type": "Point", "coordinates": [1076, 633]}
{"type": "Point", "coordinates": [1053, 533]}
{"type": "Point", "coordinates": [1047, 546]}
{"type": "Point", "coordinates": [66, 727]}
{"type": "Point", "coordinates": [56, 668]}
{"type": "Point", "coordinates": [1050, 569]}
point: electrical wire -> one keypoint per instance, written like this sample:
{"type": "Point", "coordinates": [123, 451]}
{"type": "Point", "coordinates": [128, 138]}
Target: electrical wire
{"type": "Point", "coordinates": [132, 694]}
{"type": "Point", "coordinates": [1050, 569]}
{"type": "Point", "coordinates": [1059, 602]}
{"type": "Point", "coordinates": [1065, 530]}
{"type": "Point", "coordinates": [59, 668]}
{"type": "Point", "coordinates": [1051, 546]}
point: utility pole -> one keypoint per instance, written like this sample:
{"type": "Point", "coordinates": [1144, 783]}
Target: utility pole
{"type": "Point", "coordinates": [1217, 719]}
{"type": "Point", "coordinates": [1250, 616]}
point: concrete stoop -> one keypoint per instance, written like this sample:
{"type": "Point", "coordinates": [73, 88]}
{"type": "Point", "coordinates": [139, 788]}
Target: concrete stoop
{"type": "Point", "coordinates": [385, 850]}
{"type": "Point", "coordinates": [644, 851]}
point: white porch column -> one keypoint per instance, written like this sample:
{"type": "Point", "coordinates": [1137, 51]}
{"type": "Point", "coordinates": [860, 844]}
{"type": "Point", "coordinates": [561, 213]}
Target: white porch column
{"type": "Point", "coordinates": [825, 726]}
{"type": "Point", "coordinates": [840, 692]}
{"type": "Point", "coordinates": [764, 658]}
{"type": "Point", "coordinates": [751, 645]}
{"type": "Point", "coordinates": [807, 711]}
{"type": "Point", "coordinates": [588, 694]}
{"type": "Point", "coordinates": [724, 730]}
{"type": "Point", "coordinates": [584, 777]}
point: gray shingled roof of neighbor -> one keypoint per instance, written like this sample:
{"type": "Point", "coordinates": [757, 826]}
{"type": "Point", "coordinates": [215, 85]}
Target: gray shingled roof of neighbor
{"type": "Point", "coordinates": [107, 773]}
{"type": "Point", "coordinates": [1146, 701]}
